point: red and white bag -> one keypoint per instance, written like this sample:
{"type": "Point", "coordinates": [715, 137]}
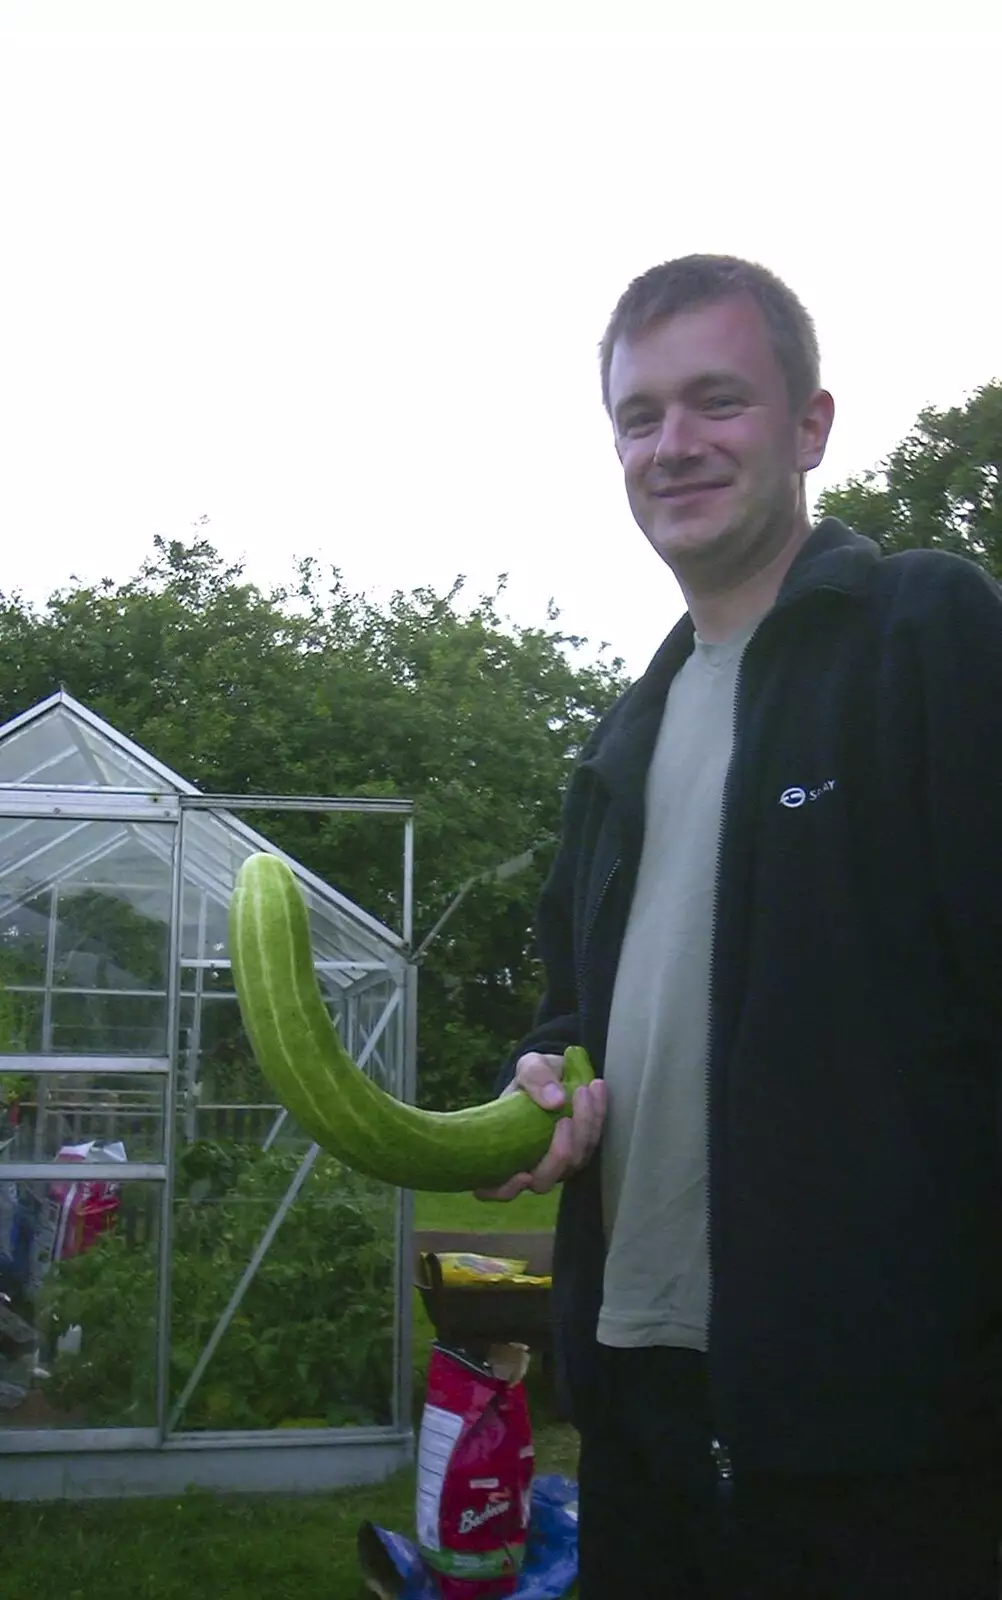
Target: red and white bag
{"type": "Point", "coordinates": [73, 1214]}
{"type": "Point", "coordinates": [475, 1469]}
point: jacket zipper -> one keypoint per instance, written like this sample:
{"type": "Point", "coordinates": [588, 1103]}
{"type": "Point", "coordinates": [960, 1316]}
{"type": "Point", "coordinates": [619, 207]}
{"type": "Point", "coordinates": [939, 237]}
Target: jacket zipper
{"type": "Point", "coordinates": [590, 929]}
{"type": "Point", "coordinates": [719, 1450]}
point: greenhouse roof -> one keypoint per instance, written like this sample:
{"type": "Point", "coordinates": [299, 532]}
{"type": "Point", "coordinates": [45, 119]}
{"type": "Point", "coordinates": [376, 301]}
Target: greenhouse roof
{"type": "Point", "coordinates": [62, 745]}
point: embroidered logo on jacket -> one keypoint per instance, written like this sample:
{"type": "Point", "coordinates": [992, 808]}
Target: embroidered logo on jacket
{"type": "Point", "coordinates": [796, 796]}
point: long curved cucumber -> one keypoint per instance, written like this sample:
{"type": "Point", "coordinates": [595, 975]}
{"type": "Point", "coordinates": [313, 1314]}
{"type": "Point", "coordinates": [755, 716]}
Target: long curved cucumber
{"type": "Point", "coordinates": [298, 1050]}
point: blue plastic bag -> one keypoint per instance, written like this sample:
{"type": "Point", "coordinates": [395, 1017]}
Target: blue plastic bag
{"type": "Point", "coordinates": [392, 1566]}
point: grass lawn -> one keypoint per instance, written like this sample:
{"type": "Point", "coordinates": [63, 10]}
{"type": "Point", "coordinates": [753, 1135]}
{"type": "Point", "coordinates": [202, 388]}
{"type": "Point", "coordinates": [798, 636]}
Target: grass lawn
{"type": "Point", "coordinates": [466, 1211]}
{"type": "Point", "coordinates": [256, 1547]}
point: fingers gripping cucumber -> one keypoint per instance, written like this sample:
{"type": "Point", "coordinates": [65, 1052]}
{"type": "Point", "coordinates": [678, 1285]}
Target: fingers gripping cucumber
{"type": "Point", "coordinates": [301, 1055]}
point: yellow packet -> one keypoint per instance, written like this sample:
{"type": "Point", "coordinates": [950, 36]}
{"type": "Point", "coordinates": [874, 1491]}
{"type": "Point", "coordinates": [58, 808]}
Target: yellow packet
{"type": "Point", "coordinates": [458, 1267]}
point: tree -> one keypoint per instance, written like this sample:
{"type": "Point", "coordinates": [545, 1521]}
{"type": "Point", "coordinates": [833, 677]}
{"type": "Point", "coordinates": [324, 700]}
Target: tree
{"type": "Point", "coordinates": [311, 689]}
{"type": "Point", "coordinates": [941, 488]}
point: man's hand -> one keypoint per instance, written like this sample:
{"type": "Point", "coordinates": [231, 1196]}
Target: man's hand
{"type": "Point", "coordinates": [574, 1137]}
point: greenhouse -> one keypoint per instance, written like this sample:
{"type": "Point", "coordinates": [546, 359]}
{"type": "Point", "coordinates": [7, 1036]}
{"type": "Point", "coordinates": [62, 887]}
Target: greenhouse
{"type": "Point", "coordinates": [190, 1292]}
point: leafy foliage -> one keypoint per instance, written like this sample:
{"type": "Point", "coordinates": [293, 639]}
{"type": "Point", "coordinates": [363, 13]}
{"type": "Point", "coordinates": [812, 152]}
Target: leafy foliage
{"type": "Point", "coordinates": [940, 488]}
{"type": "Point", "coordinates": [14, 1034]}
{"type": "Point", "coordinates": [312, 1341]}
{"type": "Point", "coordinates": [312, 689]}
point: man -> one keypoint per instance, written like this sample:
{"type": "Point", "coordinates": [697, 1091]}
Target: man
{"type": "Point", "coordinates": [775, 922]}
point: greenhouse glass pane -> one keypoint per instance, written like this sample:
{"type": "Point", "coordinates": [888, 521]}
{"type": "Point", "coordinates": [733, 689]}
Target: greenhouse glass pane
{"type": "Point", "coordinates": [89, 904]}
{"type": "Point", "coordinates": [37, 852]}
{"type": "Point", "coordinates": [204, 913]}
{"type": "Point", "coordinates": [46, 1113]}
{"type": "Point", "coordinates": [374, 1032]}
{"type": "Point", "coordinates": [22, 1021]}
{"type": "Point", "coordinates": [103, 942]}
{"type": "Point", "coordinates": [24, 938]}
{"type": "Point", "coordinates": [64, 748]}
{"type": "Point", "coordinates": [47, 750]}
{"type": "Point", "coordinates": [116, 767]}
{"type": "Point", "coordinates": [107, 1024]}
{"type": "Point", "coordinates": [215, 1057]}
{"type": "Point", "coordinates": [81, 1276]}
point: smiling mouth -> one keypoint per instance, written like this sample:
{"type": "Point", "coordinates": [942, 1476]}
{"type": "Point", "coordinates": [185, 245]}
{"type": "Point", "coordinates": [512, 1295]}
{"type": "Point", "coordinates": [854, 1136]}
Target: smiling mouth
{"type": "Point", "coordinates": [683, 491]}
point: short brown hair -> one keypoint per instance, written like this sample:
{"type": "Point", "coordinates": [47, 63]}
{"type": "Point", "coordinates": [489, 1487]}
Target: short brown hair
{"type": "Point", "coordinates": [692, 281]}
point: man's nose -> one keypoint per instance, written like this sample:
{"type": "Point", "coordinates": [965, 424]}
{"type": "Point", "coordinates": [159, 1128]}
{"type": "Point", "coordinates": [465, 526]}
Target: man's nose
{"type": "Point", "coordinates": [678, 438]}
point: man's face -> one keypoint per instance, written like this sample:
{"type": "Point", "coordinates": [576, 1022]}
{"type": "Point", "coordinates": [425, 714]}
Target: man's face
{"type": "Point", "coordinates": [712, 453]}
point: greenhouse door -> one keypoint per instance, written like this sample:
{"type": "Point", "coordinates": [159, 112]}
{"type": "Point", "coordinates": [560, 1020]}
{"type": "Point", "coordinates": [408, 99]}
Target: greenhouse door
{"type": "Point", "coordinates": [290, 1274]}
{"type": "Point", "coordinates": [89, 889]}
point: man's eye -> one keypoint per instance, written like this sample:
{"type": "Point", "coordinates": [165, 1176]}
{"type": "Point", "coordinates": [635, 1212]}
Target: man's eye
{"type": "Point", "coordinates": [723, 404]}
{"type": "Point", "coordinates": [640, 422]}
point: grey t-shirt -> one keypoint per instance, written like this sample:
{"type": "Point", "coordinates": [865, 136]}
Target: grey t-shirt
{"type": "Point", "coordinates": [654, 1148]}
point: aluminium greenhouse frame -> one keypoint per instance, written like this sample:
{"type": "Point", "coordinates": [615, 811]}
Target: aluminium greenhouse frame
{"type": "Point", "coordinates": [53, 1462]}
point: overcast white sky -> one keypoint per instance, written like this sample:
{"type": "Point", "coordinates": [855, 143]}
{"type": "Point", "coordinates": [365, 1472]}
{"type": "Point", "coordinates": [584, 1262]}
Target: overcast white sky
{"type": "Point", "coordinates": [341, 290]}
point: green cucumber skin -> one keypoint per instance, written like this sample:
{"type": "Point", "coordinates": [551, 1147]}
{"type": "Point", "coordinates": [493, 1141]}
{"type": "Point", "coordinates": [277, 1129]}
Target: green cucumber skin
{"type": "Point", "coordinates": [301, 1055]}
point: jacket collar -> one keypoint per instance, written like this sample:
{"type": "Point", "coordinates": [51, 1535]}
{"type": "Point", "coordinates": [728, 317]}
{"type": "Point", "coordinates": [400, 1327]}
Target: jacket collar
{"type": "Point", "coordinates": [833, 558]}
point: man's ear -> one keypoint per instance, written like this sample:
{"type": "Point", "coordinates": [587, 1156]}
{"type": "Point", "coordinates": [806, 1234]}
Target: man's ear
{"type": "Point", "coordinates": [813, 429]}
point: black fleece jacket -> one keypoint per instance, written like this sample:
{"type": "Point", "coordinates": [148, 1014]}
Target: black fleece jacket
{"type": "Point", "coordinates": [856, 1016]}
